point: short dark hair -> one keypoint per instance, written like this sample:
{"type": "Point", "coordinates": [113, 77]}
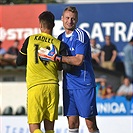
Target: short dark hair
{"type": "Point", "coordinates": [47, 19]}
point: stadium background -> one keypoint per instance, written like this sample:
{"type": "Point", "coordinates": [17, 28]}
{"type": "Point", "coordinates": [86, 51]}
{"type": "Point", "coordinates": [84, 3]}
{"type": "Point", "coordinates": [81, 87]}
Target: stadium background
{"type": "Point", "coordinates": [98, 19]}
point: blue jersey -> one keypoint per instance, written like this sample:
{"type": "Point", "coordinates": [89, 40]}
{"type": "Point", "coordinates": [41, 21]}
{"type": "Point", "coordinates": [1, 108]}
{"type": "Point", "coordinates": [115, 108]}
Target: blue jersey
{"type": "Point", "coordinates": [81, 77]}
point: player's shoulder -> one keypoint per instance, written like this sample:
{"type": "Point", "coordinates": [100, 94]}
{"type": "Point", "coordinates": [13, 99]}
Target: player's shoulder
{"type": "Point", "coordinates": [56, 40]}
{"type": "Point", "coordinates": [80, 31]}
{"type": "Point", "coordinates": [81, 35]}
{"type": "Point", "coordinates": [43, 36]}
{"type": "Point", "coordinates": [61, 35]}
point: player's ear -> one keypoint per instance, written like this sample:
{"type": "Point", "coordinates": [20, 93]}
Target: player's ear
{"type": "Point", "coordinates": [41, 26]}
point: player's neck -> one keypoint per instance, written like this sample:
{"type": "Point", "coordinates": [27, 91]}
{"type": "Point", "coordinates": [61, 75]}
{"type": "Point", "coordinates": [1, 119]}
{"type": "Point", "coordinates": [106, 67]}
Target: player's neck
{"type": "Point", "coordinates": [68, 32]}
{"type": "Point", "coordinates": [68, 35]}
{"type": "Point", "coordinates": [47, 31]}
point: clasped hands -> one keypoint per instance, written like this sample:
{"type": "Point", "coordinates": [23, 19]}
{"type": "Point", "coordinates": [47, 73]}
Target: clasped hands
{"type": "Point", "coordinates": [49, 54]}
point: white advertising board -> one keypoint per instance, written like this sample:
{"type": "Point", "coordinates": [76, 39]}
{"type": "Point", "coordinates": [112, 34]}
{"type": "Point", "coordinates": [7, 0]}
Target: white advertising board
{"type": "Point", "coordinates": [111, 124]}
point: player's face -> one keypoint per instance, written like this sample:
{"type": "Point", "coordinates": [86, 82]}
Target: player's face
{"type": "Point", "coordinates": [69, 20]}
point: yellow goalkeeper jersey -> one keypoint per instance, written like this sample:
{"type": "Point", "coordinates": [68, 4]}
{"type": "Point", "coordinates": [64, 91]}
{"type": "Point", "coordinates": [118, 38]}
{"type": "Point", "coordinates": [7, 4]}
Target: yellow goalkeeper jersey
{"type": "Point", "coordinates": [39, 72]}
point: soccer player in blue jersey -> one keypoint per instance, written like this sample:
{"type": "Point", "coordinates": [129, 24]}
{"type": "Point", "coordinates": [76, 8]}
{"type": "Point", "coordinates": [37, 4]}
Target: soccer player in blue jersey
{"type": "Point", "coordinates": [79, 93]}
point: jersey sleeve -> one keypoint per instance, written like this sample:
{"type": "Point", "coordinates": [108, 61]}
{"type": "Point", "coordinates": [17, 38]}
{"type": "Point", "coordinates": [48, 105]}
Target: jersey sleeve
{"type": "Point", "coordinates": [63, 51]}
{"type": "Point", "coordinates": [22, 55]}
{"type": "Point", "coordinates": [82, 43]}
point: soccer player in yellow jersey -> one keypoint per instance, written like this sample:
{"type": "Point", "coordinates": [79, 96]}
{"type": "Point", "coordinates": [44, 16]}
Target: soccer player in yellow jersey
{"type": "Point", "coordinates": [41, 76]}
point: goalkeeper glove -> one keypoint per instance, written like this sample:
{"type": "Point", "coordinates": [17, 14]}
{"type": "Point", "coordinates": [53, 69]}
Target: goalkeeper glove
{"type": "Point", "coordinates": [49, 54]}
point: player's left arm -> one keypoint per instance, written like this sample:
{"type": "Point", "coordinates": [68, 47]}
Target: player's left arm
{"type": "Point", "coordinates": [22, 55]}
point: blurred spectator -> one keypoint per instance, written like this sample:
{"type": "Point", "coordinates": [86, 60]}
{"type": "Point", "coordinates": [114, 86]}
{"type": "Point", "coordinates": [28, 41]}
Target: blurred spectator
{"type": "Point", "coordinates": [126, 89]}
{"type": "Point", "coordinates": [2, 52]}
{"type": "Point", "coordinates": [103, 89]}
{"type": "Point", "coordinates": [12, 53]}
{"type": "Point", "coordinates": [101, 85]}
{"type": "Point", "coordinates": [95, 51]}
{"type": "Point", "coordinates": [108, 54]}
{"type": "Point", "coordinates": [128, 59]}
{"type": "Point", "coordinates": [109, 93]}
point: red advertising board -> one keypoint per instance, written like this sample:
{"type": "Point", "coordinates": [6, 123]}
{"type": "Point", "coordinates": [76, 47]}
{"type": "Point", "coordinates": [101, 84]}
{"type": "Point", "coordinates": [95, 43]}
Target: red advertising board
{"type": "Point", "coordinates": [18, 22]}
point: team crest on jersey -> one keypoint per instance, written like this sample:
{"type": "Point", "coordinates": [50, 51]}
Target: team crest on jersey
{"type": "Point", "coordinates": [72, 49]}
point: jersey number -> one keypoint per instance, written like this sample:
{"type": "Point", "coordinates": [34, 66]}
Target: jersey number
{"type": "Point", "coordinates": [36, 53]}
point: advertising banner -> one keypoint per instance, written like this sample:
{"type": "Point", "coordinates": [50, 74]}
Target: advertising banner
{"type": "Point", "coordinates": [116, 106]}
{"type": "Point", "coordinates": [18, 22]}
{"type": "Point", "coordinates": [98, 20]}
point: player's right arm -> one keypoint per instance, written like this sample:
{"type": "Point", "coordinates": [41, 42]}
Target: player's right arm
{"type": "Point", "coordinates": [22, 55]}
